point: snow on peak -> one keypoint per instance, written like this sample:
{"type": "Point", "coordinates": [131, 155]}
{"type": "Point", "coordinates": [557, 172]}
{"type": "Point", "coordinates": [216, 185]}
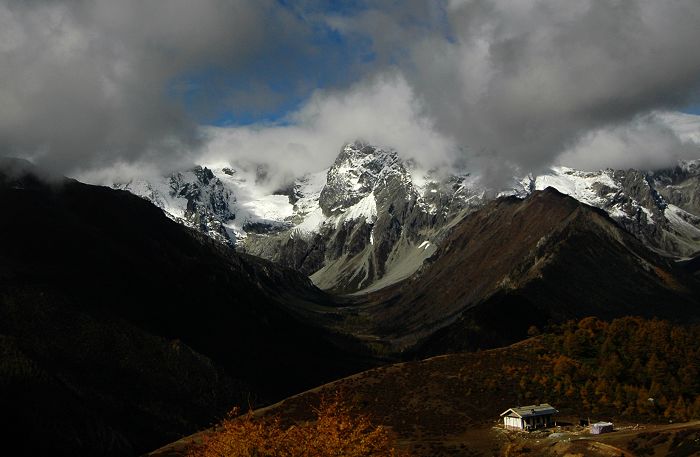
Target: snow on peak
{"type": "Point", "coordinates": [582, 185]}
{"type": "Point", "coordinates": [228, 202]}
{"type": "Point", "coordinates": [358, 170]}
{"type": "Point", "coordinates": [308, 215]}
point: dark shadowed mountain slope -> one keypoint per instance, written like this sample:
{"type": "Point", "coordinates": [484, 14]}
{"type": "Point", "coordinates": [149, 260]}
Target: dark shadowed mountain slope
{"type": "Point", "coordinates": [692, 265]}
{"type": "Point", "coordinates": [517, 263]}
{"type": "Point", "coordinates": [121, 330]}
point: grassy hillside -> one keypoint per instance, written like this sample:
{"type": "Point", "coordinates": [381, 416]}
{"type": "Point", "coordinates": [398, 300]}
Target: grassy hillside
{"type": "Point", "coordinates": [446, 405]}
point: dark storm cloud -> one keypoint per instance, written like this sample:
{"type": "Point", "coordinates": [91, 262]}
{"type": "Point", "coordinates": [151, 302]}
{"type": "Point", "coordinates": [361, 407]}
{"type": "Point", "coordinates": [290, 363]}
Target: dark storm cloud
{"type": "Point", "coordinates": [90, 83]}
{"type": "Point", "coordinates": [520, 83]}
{"type": "Point", "coordinates": [531, 78]}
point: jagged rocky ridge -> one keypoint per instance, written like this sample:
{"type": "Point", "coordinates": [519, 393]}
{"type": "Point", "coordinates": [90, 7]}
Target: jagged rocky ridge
{"type": "Point", "coordinates": [371, 219]}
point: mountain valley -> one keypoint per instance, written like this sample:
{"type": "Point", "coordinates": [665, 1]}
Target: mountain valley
{"type": "Point", "coordinates": [137, 321]}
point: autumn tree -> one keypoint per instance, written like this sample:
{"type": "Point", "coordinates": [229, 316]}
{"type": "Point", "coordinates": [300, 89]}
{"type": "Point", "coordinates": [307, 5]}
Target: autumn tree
{"type": "Point", "coordinates": [336, 431]}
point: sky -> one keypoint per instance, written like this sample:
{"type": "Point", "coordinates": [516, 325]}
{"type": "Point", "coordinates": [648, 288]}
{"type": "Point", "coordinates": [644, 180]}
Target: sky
{"type": "Point", "coordinates": [112, 89]}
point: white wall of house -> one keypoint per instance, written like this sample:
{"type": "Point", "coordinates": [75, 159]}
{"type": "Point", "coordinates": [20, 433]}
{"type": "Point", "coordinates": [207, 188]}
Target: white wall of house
{"type": "Point", "coordinates": [532, 422]}
{"type": "Point", "coordinates": [513, 422]}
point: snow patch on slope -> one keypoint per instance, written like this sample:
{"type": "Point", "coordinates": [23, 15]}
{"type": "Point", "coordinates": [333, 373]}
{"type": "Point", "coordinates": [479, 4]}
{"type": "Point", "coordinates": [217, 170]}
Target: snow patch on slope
{"type": "Point", "coordinates": [253, 204]}
{"type": "Point", "coordinates": [312, 223]}
{"type": "Point", "coordinates": [578, 184]}
{"type": "Point", "coordinates": [366, 208]}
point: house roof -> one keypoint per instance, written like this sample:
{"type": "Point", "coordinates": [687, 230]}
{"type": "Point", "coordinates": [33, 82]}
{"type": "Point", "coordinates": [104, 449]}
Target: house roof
{"type": "Point", "coordinates": [530, 411]}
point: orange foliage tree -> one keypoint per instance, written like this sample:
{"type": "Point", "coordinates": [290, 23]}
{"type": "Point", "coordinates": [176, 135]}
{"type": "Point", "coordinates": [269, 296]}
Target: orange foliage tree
{"type": "Point", "coordinates": [335, 432]}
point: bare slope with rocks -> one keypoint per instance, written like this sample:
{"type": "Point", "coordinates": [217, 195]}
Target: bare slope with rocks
{"type": "Point", "coordinates": [516, 263]}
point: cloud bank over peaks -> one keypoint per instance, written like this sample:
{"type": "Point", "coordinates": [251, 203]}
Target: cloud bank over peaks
{"type": "Point", "coordinates": [514, 87]}
{"type": "Point", "coordinates": [525, 81]}
{"type": "Point", "coordinates": [383, 112]}
{"type": "Point", "coordinates": [116, 88]}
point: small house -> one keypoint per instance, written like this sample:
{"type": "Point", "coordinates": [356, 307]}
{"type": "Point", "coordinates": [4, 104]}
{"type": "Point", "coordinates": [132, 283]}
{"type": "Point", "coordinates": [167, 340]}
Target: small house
{"type": "Point", "coordinates": [529, 417]}
{"type": "Point", "coordinates": [601, 427]}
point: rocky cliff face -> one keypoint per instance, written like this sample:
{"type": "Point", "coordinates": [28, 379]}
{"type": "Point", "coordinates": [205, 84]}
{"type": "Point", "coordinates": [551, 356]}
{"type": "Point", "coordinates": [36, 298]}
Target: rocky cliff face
{"type": "Point", "coordinates": [681, 185]}
{"type": "Point", "coordinates": [220, 202]}
{"type": "Point", "coordinates": [367, 223]}
{"type": "Point", "coordinates": [195, 198]}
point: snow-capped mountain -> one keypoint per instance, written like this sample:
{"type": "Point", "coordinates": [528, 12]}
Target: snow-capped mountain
{"type": "Point", "coordinates": [372, 218]}
{"type": "Point", "coordinates": [362, 223]}
{"type": "Point", "coordinates": [217, 201]}
{"type": "Point", "coordinates": [661, 208]}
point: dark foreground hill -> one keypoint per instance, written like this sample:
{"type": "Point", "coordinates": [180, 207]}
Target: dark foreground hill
{"type": "Point", "coordinates": [519, 263]}
{"type": "Point", "coordinates": [121, 330]}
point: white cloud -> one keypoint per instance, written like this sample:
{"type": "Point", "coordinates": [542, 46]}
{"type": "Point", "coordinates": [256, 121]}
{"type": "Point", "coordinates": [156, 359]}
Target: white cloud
{"type": "Point", "coordinates": [383, 112]}
{"type": "Point", "coordinates": [648, 142]}
{"type": "Point", "coordinates": [89, 85]}
{"type": "Point", "coordinates": [513, 85]}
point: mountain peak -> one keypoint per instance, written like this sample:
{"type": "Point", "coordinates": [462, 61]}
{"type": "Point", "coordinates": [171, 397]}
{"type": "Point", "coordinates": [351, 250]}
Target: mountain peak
{"type": "Point", "coordinates": [356, 173]}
